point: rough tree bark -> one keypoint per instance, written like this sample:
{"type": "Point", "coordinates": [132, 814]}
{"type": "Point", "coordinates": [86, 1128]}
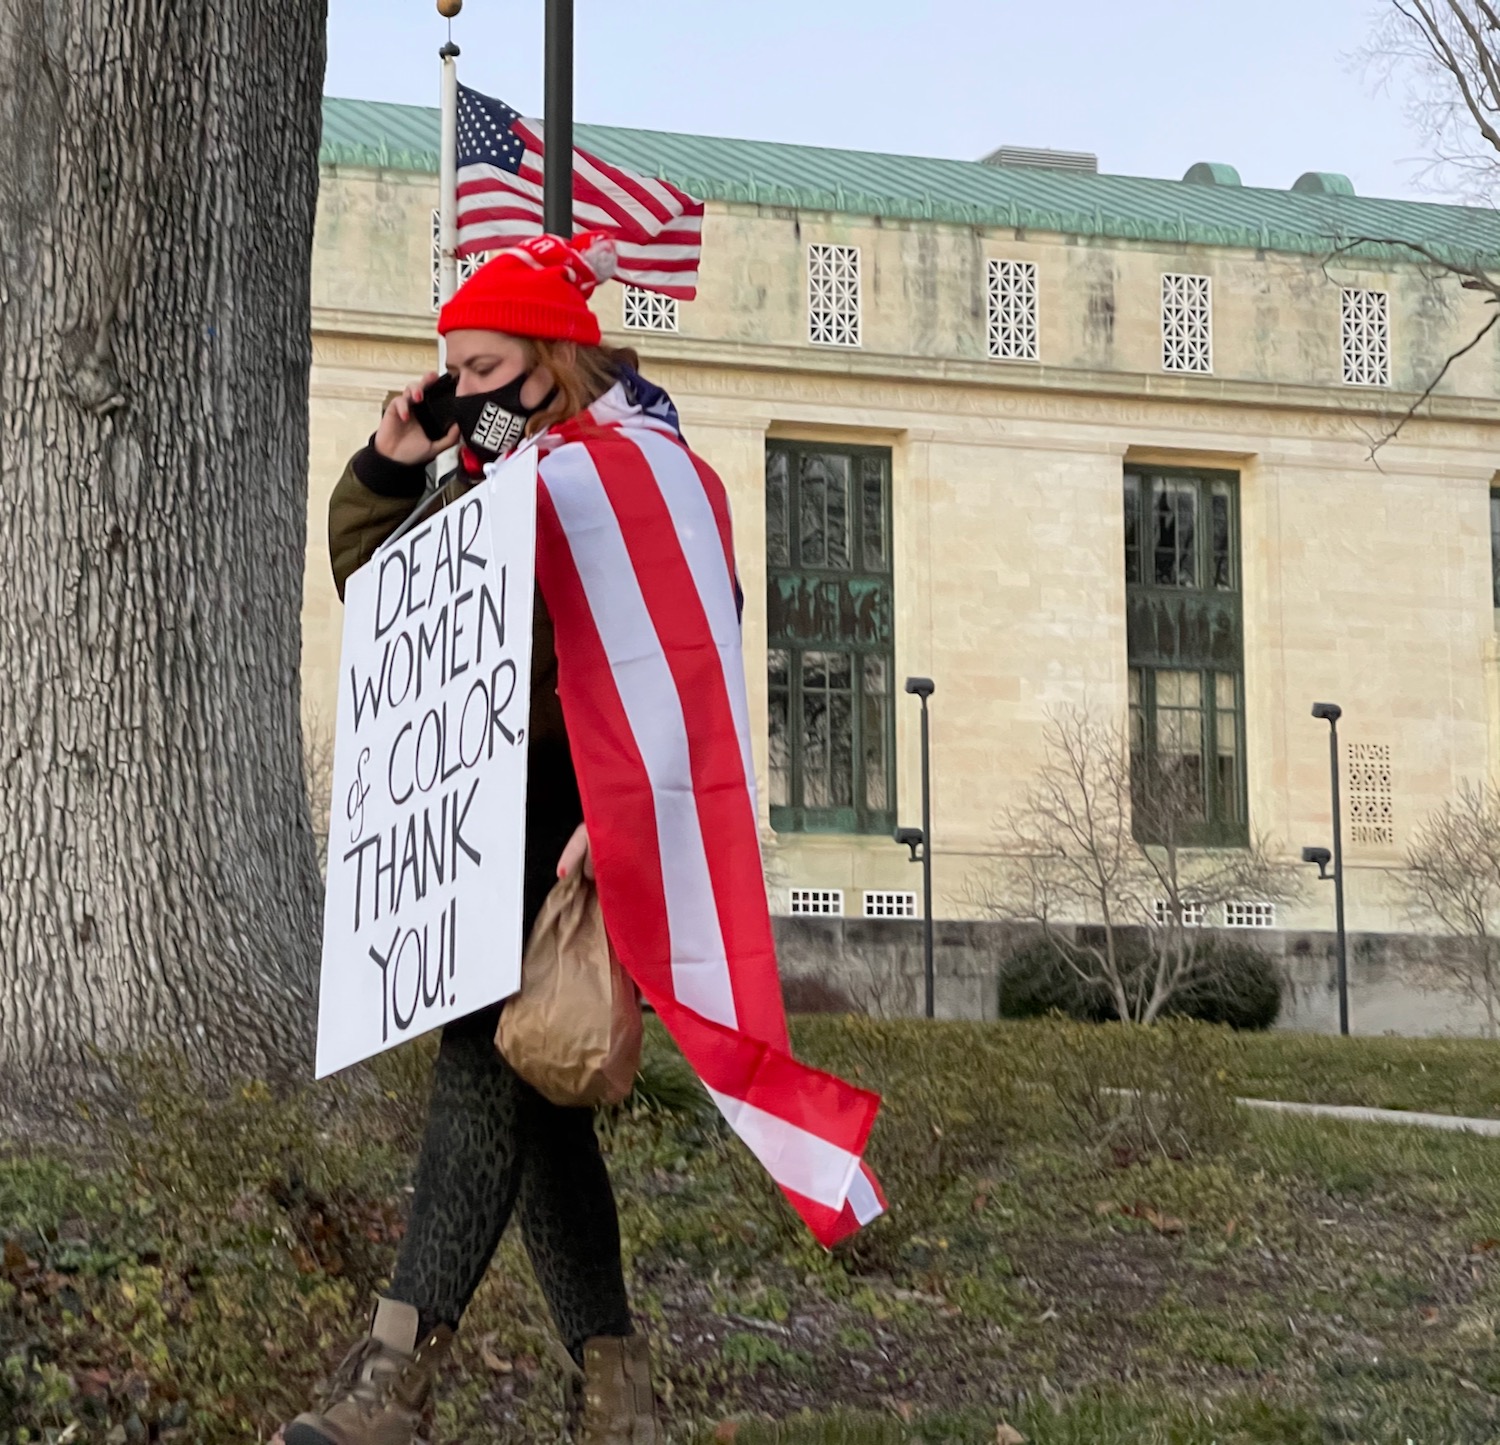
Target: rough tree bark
{"type": "Point", "coordinates": [157, 874]}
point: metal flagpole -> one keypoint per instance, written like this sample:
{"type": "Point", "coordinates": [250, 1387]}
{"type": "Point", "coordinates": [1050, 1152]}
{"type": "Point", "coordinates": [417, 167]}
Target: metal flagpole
{"type": "Point", "coordinates": [448, 183]}
{"type": "Point", "coordinates": [448, 195]}
{"type": "Point", "coordinates": [557, 164]}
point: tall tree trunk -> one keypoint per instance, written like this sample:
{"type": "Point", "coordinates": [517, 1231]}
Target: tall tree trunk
{"type": "Point", "coordinates": [157, 875]}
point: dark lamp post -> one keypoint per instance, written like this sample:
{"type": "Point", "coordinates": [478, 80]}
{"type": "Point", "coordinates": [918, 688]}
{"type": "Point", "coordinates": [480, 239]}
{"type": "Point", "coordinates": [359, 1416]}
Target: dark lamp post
{"type": "Point", "coordinates": [1331, 712]}
{"type": "Point", "coordinates": [915, 838]}
{"type": "Point", "coordinates": [557, 117]}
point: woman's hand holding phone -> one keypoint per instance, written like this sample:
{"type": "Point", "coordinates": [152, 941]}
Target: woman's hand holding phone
{"type": "Point", "coordinates": [401, 436]}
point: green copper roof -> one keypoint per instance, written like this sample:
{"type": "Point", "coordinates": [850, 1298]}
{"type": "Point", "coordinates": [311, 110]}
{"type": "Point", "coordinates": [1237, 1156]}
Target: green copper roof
{"type": "Point", "coordinates": [405, 137]}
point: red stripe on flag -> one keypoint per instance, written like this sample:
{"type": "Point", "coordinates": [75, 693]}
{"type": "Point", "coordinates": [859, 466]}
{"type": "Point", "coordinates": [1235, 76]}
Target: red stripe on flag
{"type": "Point", "coordinates": [585, 185]}
{"type": "Point", "coordinates": [718, 499]}
{"type": "Point", "coordinates": [616, 795]}
{"type": "Point", "coordinates": [720, 787]}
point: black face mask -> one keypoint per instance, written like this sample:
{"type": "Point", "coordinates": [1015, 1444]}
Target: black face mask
{"type": "Point", "coordinates": [493, 422]}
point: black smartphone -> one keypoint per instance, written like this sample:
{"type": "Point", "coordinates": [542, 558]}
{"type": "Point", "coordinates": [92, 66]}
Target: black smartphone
{"type": "Point", "coordinates": [435, 412]}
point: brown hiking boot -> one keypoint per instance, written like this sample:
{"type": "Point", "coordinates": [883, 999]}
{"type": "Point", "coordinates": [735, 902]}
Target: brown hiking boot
{"type": "Point", "coordinates": [380, 1390]}
{"type": "Point", "coordinates": [614, 1401]}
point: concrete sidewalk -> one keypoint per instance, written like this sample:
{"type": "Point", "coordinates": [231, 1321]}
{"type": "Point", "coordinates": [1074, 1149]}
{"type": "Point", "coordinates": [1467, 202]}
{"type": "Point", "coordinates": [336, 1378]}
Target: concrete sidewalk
{"type": "Point", "coordinates": [1357, 1114]}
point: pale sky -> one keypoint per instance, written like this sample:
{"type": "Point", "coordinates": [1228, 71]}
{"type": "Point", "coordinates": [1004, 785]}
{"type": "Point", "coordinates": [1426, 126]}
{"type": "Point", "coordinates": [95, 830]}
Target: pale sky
{"type": "Point", "coordinates": [1151, 86]}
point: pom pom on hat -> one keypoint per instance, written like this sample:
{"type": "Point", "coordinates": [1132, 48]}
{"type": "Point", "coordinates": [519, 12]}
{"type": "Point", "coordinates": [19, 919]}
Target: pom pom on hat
{"type": "Point", "coordinates": [597, 251]}
{"type": "Point", "coordinates": [539, 288]}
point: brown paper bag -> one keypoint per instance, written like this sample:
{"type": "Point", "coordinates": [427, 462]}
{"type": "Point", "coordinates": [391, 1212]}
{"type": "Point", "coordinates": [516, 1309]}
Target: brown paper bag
{"type": "Point", "coordinates": [573, 1032]}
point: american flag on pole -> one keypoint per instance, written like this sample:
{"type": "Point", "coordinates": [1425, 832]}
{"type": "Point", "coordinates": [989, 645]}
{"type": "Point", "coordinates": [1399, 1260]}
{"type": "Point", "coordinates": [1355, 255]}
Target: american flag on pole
{"type": "Point", "coordinates": [635, 563]}
{"type": "Point", "coordinates": [657, 229]}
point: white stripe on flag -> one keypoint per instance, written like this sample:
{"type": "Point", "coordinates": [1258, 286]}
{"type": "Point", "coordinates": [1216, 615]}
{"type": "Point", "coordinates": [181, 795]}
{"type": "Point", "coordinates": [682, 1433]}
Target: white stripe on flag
{"type": "Point", "coordinates": [863, 1199]}
{"type": "Point", "coordinates": [640, 276]}
{"type": "Point", "coordinates": [683, 242]}
{"type": "Point", "coordinates": [496, 176]}
{"type": "Point", "coordinates": [698, 536]}
{"type": "Point", "coordinates": [700, 970]}
{"type": "Point", "coordinates": [591, 217]}
{"type": "Point", "coordinates": [794, 1158]}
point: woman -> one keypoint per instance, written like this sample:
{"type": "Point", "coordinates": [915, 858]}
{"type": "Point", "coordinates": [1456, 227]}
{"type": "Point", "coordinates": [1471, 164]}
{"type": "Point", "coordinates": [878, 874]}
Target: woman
{"type": "Point", "coordinates": [525, 350]}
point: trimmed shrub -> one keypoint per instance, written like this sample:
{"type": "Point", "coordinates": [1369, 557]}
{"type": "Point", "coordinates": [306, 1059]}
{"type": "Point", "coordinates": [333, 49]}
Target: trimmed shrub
{"type": "Point", "coordinates": [1036, 981]}
{"type": "Point", "coordinates": [1240, 986]}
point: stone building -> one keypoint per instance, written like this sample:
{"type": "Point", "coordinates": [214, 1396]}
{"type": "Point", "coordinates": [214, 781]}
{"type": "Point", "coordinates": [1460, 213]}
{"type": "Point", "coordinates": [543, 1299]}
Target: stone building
{"type": "Point", "coordinates": [1048, 437]}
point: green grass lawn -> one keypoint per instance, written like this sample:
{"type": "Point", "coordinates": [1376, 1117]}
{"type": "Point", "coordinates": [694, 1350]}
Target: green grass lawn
{"type": "Point", "coordinates": [1077, 1265]}
{"type": "Point", "coordinates": [1436, 1076]}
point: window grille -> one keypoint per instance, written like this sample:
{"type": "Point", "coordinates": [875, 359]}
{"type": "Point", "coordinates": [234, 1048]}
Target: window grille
{"type": "Point", "coordinates": [467, 265]}
{"type": "Point", "coordinates": [1193, 914]}
{"type": "Point", "coordinates": [649, 310]}
{"type": "Point", "coordinates": [1013, 330]}
{"type": "Point", "coordinates": [1249, 915]}
{"type": "Point", "coordinates": [833, 295]}
{"type": "Point", "coordinates": [824, 902]}
{"type": "Point", "coordinates": [884, 903]}
{"type": "Point", "coordinates": [1369, 770]}
{"type": "Point", "coordinates": [1367, 338]}
{"type": "Point", "coordinates": [1187, 323]}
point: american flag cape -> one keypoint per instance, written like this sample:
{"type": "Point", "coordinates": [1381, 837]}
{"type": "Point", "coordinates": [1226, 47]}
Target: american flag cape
{"type": "Point", "coordinates": [657, 229]}
{"type": "Point", "coordinates": [635, 563]}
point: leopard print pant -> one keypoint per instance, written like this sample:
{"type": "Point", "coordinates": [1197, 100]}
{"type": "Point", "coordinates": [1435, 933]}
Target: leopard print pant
{"type": "Point", "coordinates": [492, 1143]}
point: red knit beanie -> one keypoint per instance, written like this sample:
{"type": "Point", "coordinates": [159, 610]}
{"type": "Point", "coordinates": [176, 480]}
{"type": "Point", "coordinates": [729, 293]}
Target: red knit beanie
{"type": "Point", "coordinates": [539, 288]}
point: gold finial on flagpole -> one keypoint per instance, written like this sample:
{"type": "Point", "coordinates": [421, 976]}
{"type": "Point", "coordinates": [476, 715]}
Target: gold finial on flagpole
{"type": "Point", "coordinates": [449, 8]}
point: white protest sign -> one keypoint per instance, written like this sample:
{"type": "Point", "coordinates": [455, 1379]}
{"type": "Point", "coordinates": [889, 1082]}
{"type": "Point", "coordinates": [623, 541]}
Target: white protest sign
{"type": "Point", "coordinates": [426, 844]}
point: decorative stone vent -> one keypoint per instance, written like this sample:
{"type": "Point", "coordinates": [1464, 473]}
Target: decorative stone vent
{"type": "Point", "coordinates": [833, 295]}
{"type": "Point", "coordinates": [649, 311]}
{"type": "Point", "coordinates": [1368, 770]}
{"type": "Point", "coordinates": [1012, 311]}
{"type": "Point", "coordinates": [1187, 323]}
{"type": "Point", "coordinates": [1366, 338]}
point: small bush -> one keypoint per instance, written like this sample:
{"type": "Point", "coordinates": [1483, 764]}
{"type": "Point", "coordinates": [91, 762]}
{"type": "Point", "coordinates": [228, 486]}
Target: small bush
{"type": "Point", "coordinates": [1036, 981]}
{"type": "Point", "coordinates": [1140, 1093]}
{"type": "Point", "coordinates": [1239, 985]}
{"type": "Point", "coordinates": [949, 1109]}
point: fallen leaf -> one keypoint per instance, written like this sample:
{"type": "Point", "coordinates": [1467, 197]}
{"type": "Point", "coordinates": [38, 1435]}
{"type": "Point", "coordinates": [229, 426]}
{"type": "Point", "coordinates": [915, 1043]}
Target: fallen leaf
{"type": "Point", "coordinates": [1008, 1435]}
{"type": "Point", "coordinates": [1106, 1206]}
{"type": "Point", "coordinates": [1231, 1229]}
{"type": "Point", "coordinates": [980, 1200]}
{"type": "Point", "coordinates": [492, 1361]}
{"type": "Point", "coordinates": [15, 1257]}
{"type": "Point", "coordinates": [726, 1430]}
{"type": "Point", "coordinates": [1485, 1246]}
{"type": "Point", "coordinates": [1164, 1223]}
{"type": "Point", "coordinates": [1429, 1317]}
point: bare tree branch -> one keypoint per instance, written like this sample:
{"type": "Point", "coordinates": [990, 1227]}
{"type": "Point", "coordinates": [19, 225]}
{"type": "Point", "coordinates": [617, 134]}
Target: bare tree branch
{"type": "Point", "coordinates": [1100, 840]}
{"type": "Point", "coordinates": [1452, 878]}
{"type": "Point", "coordinates": [1472, 276]}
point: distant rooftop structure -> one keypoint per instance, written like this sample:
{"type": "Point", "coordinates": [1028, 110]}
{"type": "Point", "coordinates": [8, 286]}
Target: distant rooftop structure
{"type": "Point", "coordinates": [1044, 160]}
{"type": "Point", "coordinates": [1206, 208]}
